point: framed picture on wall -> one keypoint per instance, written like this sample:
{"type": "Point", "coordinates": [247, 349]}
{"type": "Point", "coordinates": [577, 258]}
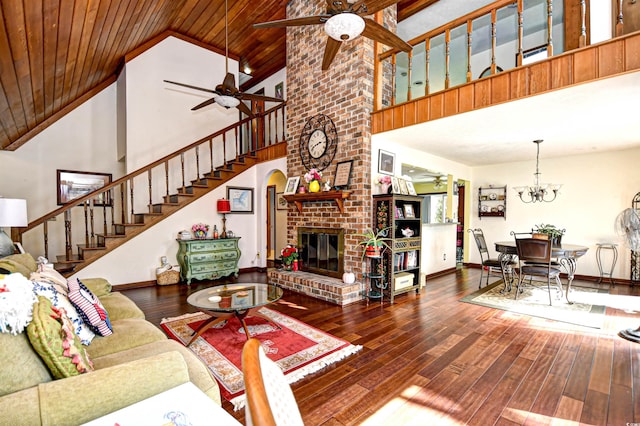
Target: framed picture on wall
{"type": "Point", "coordinates": [281, 202]}
{"type": "Point", "coordinates": [279, 90]}
{"type": "Point", "coordinates": [74, 184]}
{"type": "Point", "coordinates": [386, 162]}
{"type": "Point", "coordinates": [343, 174]}
{"type": "Point", "coordinates": [241, 199]}
{"type": "Point", "coordinates": [292, 185]}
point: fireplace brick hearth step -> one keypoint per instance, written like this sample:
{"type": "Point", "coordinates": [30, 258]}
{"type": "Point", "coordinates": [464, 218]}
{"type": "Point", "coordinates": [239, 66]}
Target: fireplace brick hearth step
{"type": "Point", "coordinates": [319, 286]}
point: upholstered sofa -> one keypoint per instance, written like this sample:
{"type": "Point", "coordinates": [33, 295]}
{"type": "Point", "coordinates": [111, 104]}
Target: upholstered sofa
{"type": "Point", "coordinates": [135, 362]}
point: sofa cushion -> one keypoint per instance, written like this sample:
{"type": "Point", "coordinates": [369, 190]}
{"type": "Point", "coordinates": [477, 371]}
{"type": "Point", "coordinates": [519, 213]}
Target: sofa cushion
{"type": "Point", "coordinates": [98, 286]}
{"type": "Point", "coordinates": [12, 266]}
{"type": "Point", "coordinates": [89, 308]}
{"type": "Point", "coordinates": [127, 333]}
{"type": "Point", "coordinates": [120, 306]}
{"type": "Point", "coordinates": [59, 300]}
{"type": "Point", "coordinates": [51, 335]}
{"type": "Point", "coordinates": [20, 365]}
{"type": "Point", "coordinates": [199, 374]}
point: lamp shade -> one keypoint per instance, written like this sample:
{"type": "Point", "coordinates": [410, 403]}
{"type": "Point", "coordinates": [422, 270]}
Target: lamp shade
{"type": "Point", "coordinates": [224, 206]}
{"type": "Point", "coordinates": [13, 212]}
{"type": "Point", "coordinates": [227, 101]}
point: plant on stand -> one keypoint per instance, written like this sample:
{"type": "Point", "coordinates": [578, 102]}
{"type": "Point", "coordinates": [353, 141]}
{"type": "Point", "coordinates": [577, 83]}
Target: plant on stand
{"type": "Point", "coordinates": [289, 256]}
{"type": "Point", "coordinates": [553, 233]}
{"type": "Point", "coordinates": [313, 178]}
{"type": "Point", "coordinates": [374, 242]}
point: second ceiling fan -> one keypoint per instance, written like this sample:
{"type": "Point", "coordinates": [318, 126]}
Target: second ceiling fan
{"type": "Point", "coordinates": [345, 21]}
{"type": "Point", "coordinates": [227, 94]}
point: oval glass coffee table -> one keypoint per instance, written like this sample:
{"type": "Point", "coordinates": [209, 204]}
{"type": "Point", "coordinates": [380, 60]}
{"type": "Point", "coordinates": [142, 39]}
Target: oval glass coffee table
{"type": "Point", "coordinates": [234, 300]}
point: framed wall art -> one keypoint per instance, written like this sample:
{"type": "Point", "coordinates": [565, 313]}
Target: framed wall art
{"type": "Point", "coordinates": [292, 185]}
{"type": "Point", "coordinates": [343, 174]}
{"type": "Point", "coordinates": [281, 202]}
{"type": "Point", "coordinates": [386, 162]}
{"type": "Point", "coordinates": [241, 199]}
{"type": "Point", "coordinates": [73, 184]}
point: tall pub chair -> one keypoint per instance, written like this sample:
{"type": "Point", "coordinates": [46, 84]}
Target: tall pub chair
{"type": "Point", "coordinates": [493, 265]}
{"type": "Point", "coordinates": [534, 260]}
{"type": "Point", "coordinates": [270, 401]}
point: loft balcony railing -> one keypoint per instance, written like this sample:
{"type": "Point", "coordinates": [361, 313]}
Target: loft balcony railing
{"type": "Point", "coordinates": [500, 36]}
{"type": "Point", "coordinates": [88, 221]}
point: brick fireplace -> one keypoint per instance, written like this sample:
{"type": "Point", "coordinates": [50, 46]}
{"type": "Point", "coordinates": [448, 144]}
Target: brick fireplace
{"type": "Point", "coordinates": [345, 94]}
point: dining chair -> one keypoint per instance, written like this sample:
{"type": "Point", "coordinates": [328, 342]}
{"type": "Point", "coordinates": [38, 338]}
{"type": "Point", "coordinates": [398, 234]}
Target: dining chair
{"type": "Point", "coordinates": [493, 265]}
{"type": "Point", "coordinates": [270, 400]}
{"type": "Point", "coordinates": [534, 260]}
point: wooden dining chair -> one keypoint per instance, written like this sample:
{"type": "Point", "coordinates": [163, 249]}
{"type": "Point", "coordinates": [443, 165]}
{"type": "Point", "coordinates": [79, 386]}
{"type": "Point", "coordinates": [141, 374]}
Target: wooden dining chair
{"type": "Point", "coordinates": [493, 265]}
{"type": "Point", "coordinates": [270, 401]}
{"type": "Point", "coordinates": [534, 260]}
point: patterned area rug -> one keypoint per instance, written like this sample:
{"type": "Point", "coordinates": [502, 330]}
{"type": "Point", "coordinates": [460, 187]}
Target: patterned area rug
{"type": "Point", "coordinates": [298, 348]}
{"type": "Point", "coordinates": [534, 301]}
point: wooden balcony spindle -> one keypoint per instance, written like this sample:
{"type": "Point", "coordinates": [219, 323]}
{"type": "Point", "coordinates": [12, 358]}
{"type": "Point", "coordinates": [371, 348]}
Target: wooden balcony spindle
{"type": "Point", "coordinates": [211, 153]}
{"type": "Point", "coordinates": [108, 203]}
{"type": "Point", "coordinates": [447, 58]}
{"type": "Point", "coordinates": [67, 235]}
{"type": "Point", "coordinates": [150, 183]}
{"type": "Point", "coordinates": [131, 198]}
{"type": "Point", "coordinates": [520, 33]}
{"type": "Point", "coordinates": [427, 60]}
{"type": "Point", "coordinates": [619, 20]}
{"type": "Point", "coordinates": [45, 228]}
{"type": "Point", "coordinates": [224, 148]}
{"type": "Point", "coordinates": [182, 168]}
{"type": "Point", "coordinates": [493, 41]}
{"type": "Point", "coordinates": [284, 129]}
{"type": "Point", "coordinates": [469, 40]}
{"type": "Point", "coordinates": [92, 234]}
{"type": "Point", "coordinates": [85, 205]}
{"type": "Point", "coordinates": [582, 41]}
{"type": "Point", "coordinates": [198, 161]}
{"type": "Point", "coordinates": [549, 28]}
{"type": "Point", "coordinates": [166, 178]}
{"type": "Point", "coordinates": [123, 208]}
{"type": "Point", "coordinates": [269, 130]}
{"type": "Point", "coordinates": [112, 202]}
{"type": "Point", "coordinates": [393, 78]}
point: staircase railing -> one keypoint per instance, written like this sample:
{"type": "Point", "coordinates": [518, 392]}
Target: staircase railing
{"type": "Point", "coordinates": [105, 212]}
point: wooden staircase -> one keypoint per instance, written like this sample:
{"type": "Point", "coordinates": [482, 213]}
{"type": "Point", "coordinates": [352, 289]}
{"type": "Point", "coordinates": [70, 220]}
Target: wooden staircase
{"type": "Point", "coordinates": [199, 168]}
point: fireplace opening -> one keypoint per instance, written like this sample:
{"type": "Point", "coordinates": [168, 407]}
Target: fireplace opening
{"type": "Point", "coordinates": [321, 250]}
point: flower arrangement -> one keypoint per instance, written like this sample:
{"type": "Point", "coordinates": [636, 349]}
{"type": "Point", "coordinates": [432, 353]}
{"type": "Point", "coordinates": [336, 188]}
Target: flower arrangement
{"type": "Point", "coordinates": [383, 180]}
{"type": "Point", "coordinates": [312, 175]}
{"type": "Point", "coordinates": [382, 216]}
{"type": "Point", "coordinates": [289, 254]}
{"type": "Point", "coordinates": [200, 230]}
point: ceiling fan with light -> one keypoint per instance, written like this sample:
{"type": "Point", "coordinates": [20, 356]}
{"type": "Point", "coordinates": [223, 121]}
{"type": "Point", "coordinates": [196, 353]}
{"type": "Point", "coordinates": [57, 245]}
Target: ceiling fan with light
{"type": "Point", "coordinates": [227, 94]}
{"type": "Point", "coordinates": [345, 21]}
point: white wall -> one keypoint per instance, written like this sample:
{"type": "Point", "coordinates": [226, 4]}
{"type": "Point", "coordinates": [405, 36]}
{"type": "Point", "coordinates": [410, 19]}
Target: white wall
{"type": "Point", "coordinates": [597, 187]}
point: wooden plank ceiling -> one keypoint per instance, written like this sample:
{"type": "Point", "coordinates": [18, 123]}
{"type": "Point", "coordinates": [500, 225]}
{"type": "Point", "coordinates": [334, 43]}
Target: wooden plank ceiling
{"type": "Point", "coordinates": [54, 54]}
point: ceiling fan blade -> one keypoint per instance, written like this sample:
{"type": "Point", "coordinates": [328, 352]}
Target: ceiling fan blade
{"type": "Point", "coordinates": [229, 81]}
{"type": "Point", "coordinates": [190, 86]}
{"type": "Point", "coordinates": [245, 109]}
{"type": "Point", "coordinates": [254, 97]}
{"type": "Point", "coordinates": [294, 22]}
{"type": "Point", "coordinates": [373, 6]}
{"type": "Point", "coordinates": [330, 52]}
{"type": "Point", "coordinates": [204, 104]}
{"type": "Point", "coordinates": [377, 32]}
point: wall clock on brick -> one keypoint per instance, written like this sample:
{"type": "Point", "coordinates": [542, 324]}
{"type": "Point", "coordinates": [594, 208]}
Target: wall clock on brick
{"type": "Point", "coordinates": [318, 142]}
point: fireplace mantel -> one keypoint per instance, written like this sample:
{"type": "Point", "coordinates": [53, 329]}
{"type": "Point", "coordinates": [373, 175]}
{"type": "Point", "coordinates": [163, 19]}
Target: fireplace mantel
{"type": "Point", "coordinates": [337, 196]}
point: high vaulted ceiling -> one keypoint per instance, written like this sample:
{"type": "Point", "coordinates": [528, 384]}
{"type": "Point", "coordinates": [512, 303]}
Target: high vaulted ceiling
{"type": "Point", "coordinates": [56, 54]}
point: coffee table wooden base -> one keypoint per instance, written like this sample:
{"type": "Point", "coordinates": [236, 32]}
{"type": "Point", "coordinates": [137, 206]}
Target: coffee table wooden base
{"type": "Point", "coordinates": [218, 317]}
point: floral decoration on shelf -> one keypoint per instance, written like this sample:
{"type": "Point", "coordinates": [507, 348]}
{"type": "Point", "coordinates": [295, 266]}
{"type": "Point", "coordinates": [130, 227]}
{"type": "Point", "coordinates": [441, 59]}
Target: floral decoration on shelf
{"type": "Point", "coordinates": [200, 230]}
{"type": "Point", "coordinates": [289, 256]}
{"type": "Point", "coordinates": [313, 178]}
{"type": "Point", "coordinates": [383, 180]}
{"type": "Point", "coordinates": [382, 216]}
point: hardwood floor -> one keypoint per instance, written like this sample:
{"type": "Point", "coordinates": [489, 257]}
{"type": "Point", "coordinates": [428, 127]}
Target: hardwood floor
{"type": "Point", "coordinates": [430, 359]}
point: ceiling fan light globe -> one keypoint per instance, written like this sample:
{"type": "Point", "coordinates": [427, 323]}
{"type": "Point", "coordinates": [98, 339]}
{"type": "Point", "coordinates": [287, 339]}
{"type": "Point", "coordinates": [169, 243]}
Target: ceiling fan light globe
{"type": "Point", "coordinates": [344, 26]}
{"type": "Point", "coordinates": [227, 101]}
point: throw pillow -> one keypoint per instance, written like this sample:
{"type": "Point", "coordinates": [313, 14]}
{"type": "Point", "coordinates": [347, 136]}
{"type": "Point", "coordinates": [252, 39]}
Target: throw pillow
{"type": "Point", "coordinates": [89, 308]}
{"type": "Point", "coordinates": [16, 303]}
{"type": "Point", "coordinates": [60, 300]}
{"type": "Point", "coordinates": [51, 335]}
{"type": "Point", "coordinates": [53, 277]}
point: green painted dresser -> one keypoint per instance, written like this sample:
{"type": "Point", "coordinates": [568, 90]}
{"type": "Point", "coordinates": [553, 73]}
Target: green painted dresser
{"type": "Point", "coordinates": [208, 258]}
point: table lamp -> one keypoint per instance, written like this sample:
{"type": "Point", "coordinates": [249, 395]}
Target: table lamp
{"type": "Point", "coordinates": [224, 207]}
{"type": "Point", "coordinates": [13, 213]}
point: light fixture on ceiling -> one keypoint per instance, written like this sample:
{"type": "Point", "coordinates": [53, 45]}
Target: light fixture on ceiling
{"type": "Point", "coordinates": [537, 192]}
{"type": "Point", "coordinates": [344, 26]}
{"type": "Point", "coordinates": [437, 183]}
{"type": "Point", "coordinates": [227, 101]}
{"type": "Point", "coordinates": [13, 213]}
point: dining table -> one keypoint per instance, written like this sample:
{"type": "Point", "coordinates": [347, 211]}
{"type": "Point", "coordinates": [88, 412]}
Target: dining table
{"type": "Point", "coordinates": [566, 254]}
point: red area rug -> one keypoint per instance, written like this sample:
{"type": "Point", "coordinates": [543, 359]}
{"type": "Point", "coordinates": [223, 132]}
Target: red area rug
{"type": "Point", "coordinates": [298, 348]}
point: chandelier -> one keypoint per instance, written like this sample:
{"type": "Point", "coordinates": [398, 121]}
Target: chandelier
{"type": "Point", "coordinates": [344, 26]}
{"type": "Point", "coordinates": [538, 192]}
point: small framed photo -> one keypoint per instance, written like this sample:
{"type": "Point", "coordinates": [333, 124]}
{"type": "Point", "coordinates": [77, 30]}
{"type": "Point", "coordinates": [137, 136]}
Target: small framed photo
{"type": "Point", "coordinates": [403, 186]}
{"type": "Point", "coordinates": [74, 184]}
{"type": "Point", "coordinates": [281, 202]}
{"type": "Point", "coordinates": [386, 162]}
{"type": "Point", "coordinates": [343, 174]}
{"type": "Point", "coordinates": [408, 211]}
{"type": "Point", "coordinates": [292, 185]}
{"type": "Point", "coordinates": [411, 188]}
{"type": "Point", "coordinates": [395, 186]}
{"type": "Point", "coordinates": [241, 199]}
{"type": "Point", "coordinates": [399, 214]}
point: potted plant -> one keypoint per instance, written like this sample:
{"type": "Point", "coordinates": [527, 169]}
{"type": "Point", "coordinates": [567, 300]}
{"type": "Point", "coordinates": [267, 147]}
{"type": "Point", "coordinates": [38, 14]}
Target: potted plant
{"type": "Point", "coordinates": [374, 242]}
{"type": "Point", "coordinates": [553, 233]}
{"type": "Point", "coordinates": [289, 256]}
